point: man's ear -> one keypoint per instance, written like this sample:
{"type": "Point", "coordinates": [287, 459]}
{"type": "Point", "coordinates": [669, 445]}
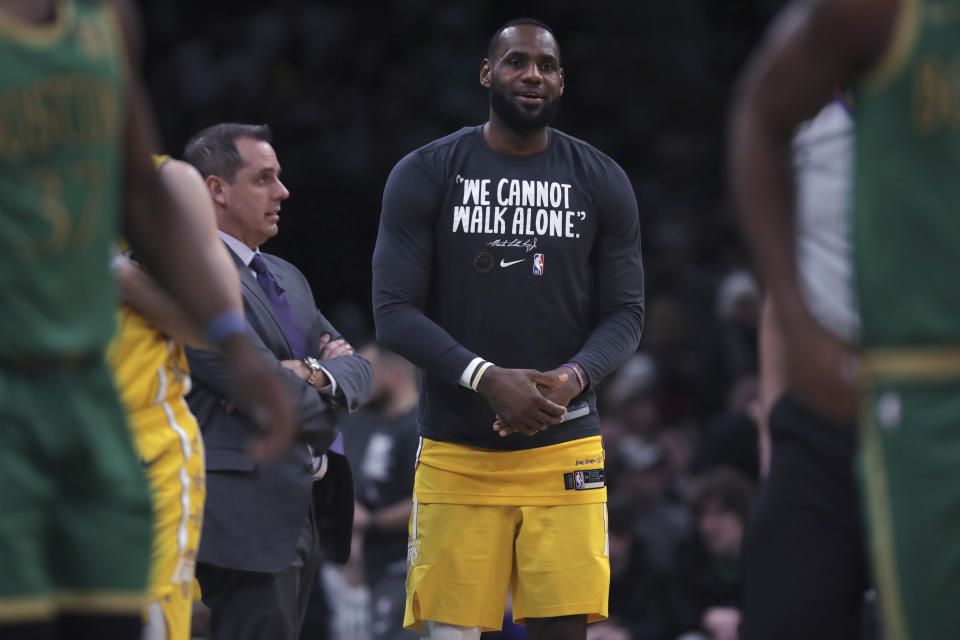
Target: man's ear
{"type": "Point", "coordinates": [216, 186]}
{"type": "Point", "coordinates": [485, 73]}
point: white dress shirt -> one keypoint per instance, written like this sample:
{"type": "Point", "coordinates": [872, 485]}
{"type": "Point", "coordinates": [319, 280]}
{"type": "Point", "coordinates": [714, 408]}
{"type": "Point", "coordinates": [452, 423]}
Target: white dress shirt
{"type": "Point", "coordinates": [246, 255]}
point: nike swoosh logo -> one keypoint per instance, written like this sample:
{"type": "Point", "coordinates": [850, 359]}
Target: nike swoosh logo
{"type": "Point", "coordinates": [507, 264]}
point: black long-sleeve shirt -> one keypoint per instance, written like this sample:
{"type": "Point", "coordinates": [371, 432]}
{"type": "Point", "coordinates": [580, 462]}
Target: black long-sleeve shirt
{"type": "Point", "coordinates": [525, 261]}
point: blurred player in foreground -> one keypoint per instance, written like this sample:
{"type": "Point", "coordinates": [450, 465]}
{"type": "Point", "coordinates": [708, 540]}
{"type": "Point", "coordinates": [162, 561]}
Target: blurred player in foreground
{"type": "Point", "coordinates": [75, 152]}
{"type": "Point", "coordinates": [151, 371]}
{"type": "Point", "coordinates": [899, 56]}
{"type": "Point", "coordinates": [807, 520]}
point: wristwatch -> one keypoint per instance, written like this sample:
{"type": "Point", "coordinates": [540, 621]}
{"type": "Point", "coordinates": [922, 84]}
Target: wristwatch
{"type": "Point", "coordinates": [315, 371]}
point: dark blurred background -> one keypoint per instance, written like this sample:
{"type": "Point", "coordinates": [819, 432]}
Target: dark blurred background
{"type": "Point", "coordinates": [350, 87]}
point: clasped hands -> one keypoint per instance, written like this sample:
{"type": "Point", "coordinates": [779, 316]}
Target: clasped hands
{"type": "Point", "coordinates": [329, 349]}
{"type": "Point", "coordinates": [528, 401]}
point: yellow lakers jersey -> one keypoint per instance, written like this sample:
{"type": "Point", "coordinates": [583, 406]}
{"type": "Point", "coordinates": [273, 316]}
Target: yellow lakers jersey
{"type": "Point", "coordinates": [149, 368]}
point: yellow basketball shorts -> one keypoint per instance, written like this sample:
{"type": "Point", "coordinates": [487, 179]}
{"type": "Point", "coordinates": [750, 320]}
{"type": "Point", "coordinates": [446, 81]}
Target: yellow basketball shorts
{"type": "Point", "coordinates": [168, 440]}
{"type": "Point", "coordinates": [543, 537]}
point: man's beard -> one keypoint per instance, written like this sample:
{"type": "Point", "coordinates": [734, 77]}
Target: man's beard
{"type": "Point", "coordinates": [515, 117]}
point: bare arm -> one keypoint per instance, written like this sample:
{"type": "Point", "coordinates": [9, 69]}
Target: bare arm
{"type": "Point", "coordinates": [141, 292]}
{"type": "Point", "coordinates": [170, 241]}
{"type": "Point", "coordinates": [170, 238]}
{"type": "Point", "coordinates": [812, 48]}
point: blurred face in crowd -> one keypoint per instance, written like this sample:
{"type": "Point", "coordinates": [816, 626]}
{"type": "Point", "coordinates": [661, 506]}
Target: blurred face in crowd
{"type": "Point", "coordinates": [646, 486]}
{"type": "Point", "coordinates": [524, 77]}
{"type": "Point", "coordinates": [250, 205]}
{"type": "Point", "coordinates": [640, 416]}
{"type": "Point", "coordinates": [721, 529]}
{"type": "Point", "coordinates": [679, 448]}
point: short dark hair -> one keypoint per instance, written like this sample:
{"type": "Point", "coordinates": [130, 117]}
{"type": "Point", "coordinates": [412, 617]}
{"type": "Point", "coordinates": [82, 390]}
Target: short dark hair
{"type": "Point", "coordinates": [495, 40]}
{"type": "Point", "coordinates": [728, 486]}
{"type": "Point", "coordinates": [213, 151]}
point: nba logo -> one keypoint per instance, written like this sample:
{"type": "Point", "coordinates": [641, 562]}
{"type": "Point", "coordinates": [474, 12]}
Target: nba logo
{"type": "Point", "coordinates": [578, 479]}
{"type": "Point", "coordinates": [538, 264]}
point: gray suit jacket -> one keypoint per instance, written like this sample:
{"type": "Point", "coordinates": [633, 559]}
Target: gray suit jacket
{"type": "Point", "coordinates": [254, 513]}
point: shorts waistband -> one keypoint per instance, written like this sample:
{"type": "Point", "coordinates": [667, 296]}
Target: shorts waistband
{"type": "Point", "coordinates": [458, 474]}
{"type": "Point", "coordinates": [922, 363]}
{"type": "Point", "coordinates": [43, 363]}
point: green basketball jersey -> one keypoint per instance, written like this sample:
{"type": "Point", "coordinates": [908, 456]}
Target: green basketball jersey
{"type": "Point", "coordinates": [906, 226]}
{"type": "Point", "coordinates": [62, 112]}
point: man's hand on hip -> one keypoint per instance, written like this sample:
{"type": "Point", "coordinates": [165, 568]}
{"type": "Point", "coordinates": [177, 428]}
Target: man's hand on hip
{"type": "Point", "coordinates": [822, 369]}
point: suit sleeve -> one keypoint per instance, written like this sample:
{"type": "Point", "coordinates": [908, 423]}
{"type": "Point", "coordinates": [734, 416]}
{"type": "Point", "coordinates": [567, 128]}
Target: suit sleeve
{"type": "Point", "coordinates": [353, 374]}
{"type": "Point", "coordinates": [318, 423]}
{"type": "Point", "coordinates": [402, 262]}
{"type": "Point", "coordinates": [618, 277]}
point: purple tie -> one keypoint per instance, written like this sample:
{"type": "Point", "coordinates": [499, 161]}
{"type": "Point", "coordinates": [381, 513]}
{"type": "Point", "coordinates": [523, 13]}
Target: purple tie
{"type": "Point", "coordinates": [292, 330]}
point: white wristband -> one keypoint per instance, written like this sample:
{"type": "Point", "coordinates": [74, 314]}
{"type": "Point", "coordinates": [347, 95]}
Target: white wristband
{"type": "Point", "coordinates": [479, 374]}
{"type": "Point", "coordinates": [468, 372]}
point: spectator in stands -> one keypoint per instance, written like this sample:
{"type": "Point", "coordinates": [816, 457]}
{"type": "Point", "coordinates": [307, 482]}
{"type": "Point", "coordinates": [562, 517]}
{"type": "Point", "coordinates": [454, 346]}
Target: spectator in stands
{"type": "Point", "coordinates": [658, 522]}
{"type": "Point", "coordinates": [384, 486]}
{"type": "Point", "coordinates": [639, 593]}
{"type": "Point", "coordinates": [707, 567]}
